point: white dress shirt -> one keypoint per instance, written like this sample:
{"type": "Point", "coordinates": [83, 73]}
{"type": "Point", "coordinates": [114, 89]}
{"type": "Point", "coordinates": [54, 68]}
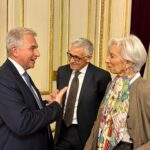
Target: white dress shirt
{"type": "Point", "coordinates": [21, 72]}
{"type": "Point", "coordinates": [81, 78]}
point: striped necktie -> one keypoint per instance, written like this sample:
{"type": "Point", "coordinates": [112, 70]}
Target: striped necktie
{"type": "Point", "coordinates": [27, 79]}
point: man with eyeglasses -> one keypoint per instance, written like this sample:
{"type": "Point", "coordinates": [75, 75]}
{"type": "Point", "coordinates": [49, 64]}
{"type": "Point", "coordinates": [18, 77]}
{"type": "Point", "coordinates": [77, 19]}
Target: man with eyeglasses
{"type": "Point", "coordinates": [88, 91]}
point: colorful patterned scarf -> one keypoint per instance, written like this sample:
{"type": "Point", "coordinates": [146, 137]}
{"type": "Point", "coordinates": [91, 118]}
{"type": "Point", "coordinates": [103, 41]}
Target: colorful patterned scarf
{"type": "Point", "coordinates": [113, 114]}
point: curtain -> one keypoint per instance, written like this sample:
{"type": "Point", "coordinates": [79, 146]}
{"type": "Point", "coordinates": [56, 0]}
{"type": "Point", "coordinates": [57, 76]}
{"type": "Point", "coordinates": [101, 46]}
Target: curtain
{"type": "Point", "coordinates": [140, 22]}
{"type": "Point", "coordinates": [147, 67]}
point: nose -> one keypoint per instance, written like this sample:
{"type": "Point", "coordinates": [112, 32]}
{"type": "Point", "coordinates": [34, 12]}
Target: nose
{"type": "Point", "coordinates": [107, 60]}
{"type": "Point", "coordinates": [71, 59]}
{"type": "Point", "coordinates": [37, 53]}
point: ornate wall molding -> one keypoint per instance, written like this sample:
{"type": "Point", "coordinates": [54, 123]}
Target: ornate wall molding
{"type": "Point", "coordinates": [21, 14]}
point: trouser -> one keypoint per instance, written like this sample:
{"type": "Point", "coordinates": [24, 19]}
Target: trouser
{"type": "Point", "coordinates": [69, 139]}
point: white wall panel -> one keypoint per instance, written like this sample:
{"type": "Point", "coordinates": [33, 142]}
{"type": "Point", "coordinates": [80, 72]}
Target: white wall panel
{"type": "Point", "coordinates": [3, 29]}
{"type": "Point", "coordinates": [37, 18]}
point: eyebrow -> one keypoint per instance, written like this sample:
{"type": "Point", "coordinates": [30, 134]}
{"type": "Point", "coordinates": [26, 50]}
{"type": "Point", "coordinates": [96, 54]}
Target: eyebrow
{"type": "Point", "coordinates": [74, 55]}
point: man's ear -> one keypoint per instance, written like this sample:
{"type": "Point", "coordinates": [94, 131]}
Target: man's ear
{"type": "Point", "coordinates": [89, 58]}
{"type": "Point", "coordinates": [14, 51]}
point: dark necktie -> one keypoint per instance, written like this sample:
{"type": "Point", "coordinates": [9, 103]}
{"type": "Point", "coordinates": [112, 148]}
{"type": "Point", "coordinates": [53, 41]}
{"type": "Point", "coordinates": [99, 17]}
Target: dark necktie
{"type": "Point", "coordinates": [68, 116]}
{"type": "Point", "coordinates": [27, 78]}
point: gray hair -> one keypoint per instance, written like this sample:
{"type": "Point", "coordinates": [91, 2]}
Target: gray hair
{"type": "Point", "coordinates": [15, 38]}
{"type": "Point", "coordinates": [132, 50]}
{"type": "Point", "coordinates": [83, 43]}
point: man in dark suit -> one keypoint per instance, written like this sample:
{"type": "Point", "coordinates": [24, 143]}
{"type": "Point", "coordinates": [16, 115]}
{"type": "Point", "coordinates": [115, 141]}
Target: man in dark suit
{"type": "Point", "coordinates": [24, 119]}
{"type": "Point", "coordinates": [92, 83]}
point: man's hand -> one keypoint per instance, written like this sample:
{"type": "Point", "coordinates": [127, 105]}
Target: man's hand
{"type": "Point", "coordinates": [57, 96]}
{"type": "Point", "coordinates": [60, 95]}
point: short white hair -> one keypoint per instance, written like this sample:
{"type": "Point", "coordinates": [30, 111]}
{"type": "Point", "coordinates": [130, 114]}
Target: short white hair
{"type": "Point", "coordinates": [15, 37]}
{"type": "Point", "coordinates": [132, 50]}
{"type": "Point", "coordinates": [84, 43]}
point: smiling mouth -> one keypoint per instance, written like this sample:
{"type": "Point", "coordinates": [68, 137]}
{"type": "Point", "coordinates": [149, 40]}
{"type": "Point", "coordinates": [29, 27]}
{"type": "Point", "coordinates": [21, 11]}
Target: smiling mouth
{"type": "Point", "coordinates": [109, 67]}
{"type": "Point", "coordinates": [33, 59]}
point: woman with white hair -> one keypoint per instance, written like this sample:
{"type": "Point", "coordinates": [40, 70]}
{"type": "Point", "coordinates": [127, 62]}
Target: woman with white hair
{"type": "Point", "coordinates": [123, 121]}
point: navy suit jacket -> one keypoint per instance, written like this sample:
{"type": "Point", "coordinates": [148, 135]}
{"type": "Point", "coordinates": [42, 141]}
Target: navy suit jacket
{"type": "Point", "coordinates": [91, 94]}
{"type": "Point", "coordinates": [22, 125]}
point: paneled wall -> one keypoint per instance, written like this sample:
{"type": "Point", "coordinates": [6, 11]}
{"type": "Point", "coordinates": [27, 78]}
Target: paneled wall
{"type": "Point", "coordinates": [58, 23]}
{"type": "Point", "coordinates": [3, 29]}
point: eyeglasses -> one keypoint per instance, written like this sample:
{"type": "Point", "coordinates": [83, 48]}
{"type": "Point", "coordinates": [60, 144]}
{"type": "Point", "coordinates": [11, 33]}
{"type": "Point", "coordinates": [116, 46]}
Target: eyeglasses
{"type": "Point", "coordinates": [75, 58]}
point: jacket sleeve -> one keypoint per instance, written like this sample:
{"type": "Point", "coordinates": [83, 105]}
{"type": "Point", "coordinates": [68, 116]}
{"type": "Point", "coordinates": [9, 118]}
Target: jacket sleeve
{"type": "Point", "coordinates": [91, 143]}
{"type": "Point", "coordinates": [21, 117]}
{"type": "Point", "coordinates": [144, 146]}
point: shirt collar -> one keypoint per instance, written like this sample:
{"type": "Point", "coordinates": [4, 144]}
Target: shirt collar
{"type": "Point", "coordinates": [83, 70]}
{"type": "Point", "coordinates": [137, 75]}
{"type": "Point", "coordinates": [18, 67]}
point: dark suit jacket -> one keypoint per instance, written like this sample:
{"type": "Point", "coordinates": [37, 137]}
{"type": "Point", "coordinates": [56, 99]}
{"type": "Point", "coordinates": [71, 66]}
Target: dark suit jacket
{"type": "Point", "coordinates": [92, 92]}
{"type": "Point", "coordinates": [22, 125]}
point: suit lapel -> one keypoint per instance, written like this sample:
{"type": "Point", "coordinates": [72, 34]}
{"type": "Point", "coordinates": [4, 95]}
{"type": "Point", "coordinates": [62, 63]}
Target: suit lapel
{"type": "Point", "coordinates": [66, 82]}
{"type": "Point", "coordinates": [21, 82]}
{"type": "Point", "coordinates": [15, 72]}
{"type": "Point", "coordinates": [67, 78]}
{"type": "Point", "coordinates": [86, 82]}
{"type": "Point", "coordinates": [37, 91]}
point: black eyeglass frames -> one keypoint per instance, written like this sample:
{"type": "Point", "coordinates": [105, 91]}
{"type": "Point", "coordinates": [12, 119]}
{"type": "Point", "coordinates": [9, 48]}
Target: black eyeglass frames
{"type": "Point", "coordinates": [75, 58]}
